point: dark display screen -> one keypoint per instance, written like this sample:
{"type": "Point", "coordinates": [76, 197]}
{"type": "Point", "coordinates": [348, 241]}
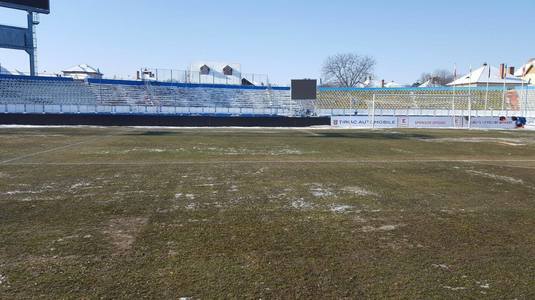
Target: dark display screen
{"type": "Point", "coordinates": [40, 6]}
{"type": "Point", "coordinates": [304, 89]}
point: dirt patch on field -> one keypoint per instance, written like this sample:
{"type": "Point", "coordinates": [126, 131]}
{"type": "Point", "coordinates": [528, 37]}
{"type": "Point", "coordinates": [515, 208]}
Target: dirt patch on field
{"type": "Point", "coordinates": [340, 209]}
{"type": "Point", "coordinates": [380, 228]}
{"type": "Point", "coordinates": [501, 141]}
{"type": "Point", "coordinates": [359, 191]}
{"type": "Point", "coordinates": [505, 179]}
{"type": "Point", "coordinates": [230, 151]}
{"type": "Point", "coordinates": [317, 190]}
{"type": "Point", "coordinates": [122, 232]}
{"type": "Point", "coordinates": [302, 204]}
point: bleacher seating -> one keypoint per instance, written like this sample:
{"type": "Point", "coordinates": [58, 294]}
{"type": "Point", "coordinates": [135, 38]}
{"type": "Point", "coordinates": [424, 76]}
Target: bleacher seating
{"type": "Point", "coordinates": [156, 97]}
{"type": "Point", "coordinates": [42, 90]}
{"type": "Point", "coordinates": [66, 91]}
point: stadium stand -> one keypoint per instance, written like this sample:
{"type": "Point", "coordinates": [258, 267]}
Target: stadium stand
{"type": "Point", "coordinates": [26, 90]}
{"type": "Point", "coordinates": [43, 90]}
{"type": "Point", "coordinates": [26, 94]}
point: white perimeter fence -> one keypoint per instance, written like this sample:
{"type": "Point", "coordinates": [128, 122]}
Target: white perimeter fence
{"type": "Point", "coordinates": [351, 110]}
{"type": "Point", "coordinates": [140, 109]}
{"type": "Point", "coordinates": [433, 111]}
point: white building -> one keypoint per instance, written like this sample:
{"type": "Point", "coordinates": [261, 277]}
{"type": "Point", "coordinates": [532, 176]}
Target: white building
{"type": "Point", "coordinates": [5, 71]}
{"type": "Point", "coordinates": [487, 75]}
{"type": "Point", "coordinates": [527, 72]}
{"type": "Point", "coordinates": [215, 73]}
{"type": "Point", "coordinates": [83, 72]}
{"type": "Point", "coordinates": [369, 83]}
{"type": "Point", "coordinates": [431, 83]}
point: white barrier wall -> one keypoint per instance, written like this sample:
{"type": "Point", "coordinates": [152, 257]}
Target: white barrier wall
{"type": "Point", "coordinates": [138, 109]}
{"type": "Point", "coordinates": [422, 122]}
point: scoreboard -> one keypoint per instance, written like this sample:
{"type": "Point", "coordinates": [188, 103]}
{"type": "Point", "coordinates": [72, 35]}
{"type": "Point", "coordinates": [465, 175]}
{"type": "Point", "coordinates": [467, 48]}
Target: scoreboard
{"type": "Point", "coordinates": [38, 6]}
{"type": "Point", "coordinates": [304, 89]}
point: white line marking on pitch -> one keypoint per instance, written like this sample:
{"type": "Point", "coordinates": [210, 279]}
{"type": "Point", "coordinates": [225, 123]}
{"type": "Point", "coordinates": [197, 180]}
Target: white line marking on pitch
{"type": "Point", "coordinates": [40, 152]}
{"type": "Point", "coordinates": [311, 162]}
{"type": "Point", "coordinates": [8, 161]}
{"type": "Point", "coordinates": [505, 166]}
{"type": "Point", "coordinates": [310, 132]}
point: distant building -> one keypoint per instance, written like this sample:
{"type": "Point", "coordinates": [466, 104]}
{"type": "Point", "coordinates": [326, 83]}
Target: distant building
{"type": "Point", "coordinates": [488, 75]}
{"type": "Point", "coordinates": [82, 72]}
{"type": "Point", "coordinates": [5, 71]}
{"type": "Point", "coordinates": [527, 72]}
{"type": "Point", "coordinates": [431, 83]}
{"type": "Point", "coordinates": [215, 73]}
{"type": "Point", "coordinates": [370, 83]}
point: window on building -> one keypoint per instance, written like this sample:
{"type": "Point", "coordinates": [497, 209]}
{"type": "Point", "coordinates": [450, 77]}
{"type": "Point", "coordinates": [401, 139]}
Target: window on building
{"type": "Point", "coordinates": [205, 70]}
{"type": "Point", "coordinates": [228, 71]}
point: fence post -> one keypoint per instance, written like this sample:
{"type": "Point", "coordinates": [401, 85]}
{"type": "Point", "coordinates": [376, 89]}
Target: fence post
{"type": "Point", "coordinates": [469, 112]}
{"type": "Point", "coordinates": [350, 114]}
{"type": "Point", "coordinates": [503, 98]}
{"type": "Point", "coordinates": [373, 111]}
{"type": "Point", "coordinates": [487, 98]}
{"type": "Point", "coordinates": [525, 102]}
{"type": "Point", "coordinates": [453, 110]}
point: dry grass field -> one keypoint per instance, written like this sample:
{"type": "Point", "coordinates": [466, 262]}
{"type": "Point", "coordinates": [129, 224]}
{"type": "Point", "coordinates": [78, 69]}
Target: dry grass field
{"type": "Point", "coordinates": [101, 213]}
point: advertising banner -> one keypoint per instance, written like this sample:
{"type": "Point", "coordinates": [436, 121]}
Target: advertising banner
{"type": "Point", "coordinates": [427, 122]}
{"type": "Point", "coordinates": [363, 122]}
{"type": "Point", "coordinates": [493, 122]}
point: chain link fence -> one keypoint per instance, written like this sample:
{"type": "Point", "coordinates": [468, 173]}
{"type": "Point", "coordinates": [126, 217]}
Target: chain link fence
{"type": "Point", "coordinates": [197, 77]}
{"type": "Point", "coordinates": [439, 101]}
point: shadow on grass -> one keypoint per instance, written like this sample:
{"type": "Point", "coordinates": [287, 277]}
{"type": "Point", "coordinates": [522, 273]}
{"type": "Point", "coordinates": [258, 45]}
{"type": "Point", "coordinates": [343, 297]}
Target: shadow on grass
{"type": "Point", "coordinates": [373, 135]}
{"type": "Point", "coordinates": [347, 135]}
{"type": "Point", "coordinates": [156, 133]}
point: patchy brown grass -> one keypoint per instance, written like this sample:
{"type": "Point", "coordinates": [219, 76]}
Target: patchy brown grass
{"type": "Point", "coordinates": [226, 213]}
{"type": "Point", "coordinates": [123, 232]}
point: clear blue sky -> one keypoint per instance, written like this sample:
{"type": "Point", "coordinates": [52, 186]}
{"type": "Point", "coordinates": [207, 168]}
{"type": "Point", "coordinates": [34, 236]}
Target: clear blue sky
{"type": "Point", "coordinates": [285, 39]}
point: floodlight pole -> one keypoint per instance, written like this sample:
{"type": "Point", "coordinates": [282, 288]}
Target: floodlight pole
{"type": "Point", "coordinates": [30, 42]}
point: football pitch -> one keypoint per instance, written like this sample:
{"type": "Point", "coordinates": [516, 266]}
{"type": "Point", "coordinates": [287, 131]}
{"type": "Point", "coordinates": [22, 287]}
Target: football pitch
{"type": "Point", "coordinates": [100, 213]}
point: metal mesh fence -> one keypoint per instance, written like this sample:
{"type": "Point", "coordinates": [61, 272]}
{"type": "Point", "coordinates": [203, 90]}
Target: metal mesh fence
{"type": "Point", "coordinates": [196, 77]}
{"type": "Point", "coordinates": [426, 100]}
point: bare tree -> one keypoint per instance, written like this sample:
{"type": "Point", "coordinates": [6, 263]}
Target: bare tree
{"type": "Point", "coordinates": [440, 77]}
{"type": "Point", "coordinates": [347, 70]}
